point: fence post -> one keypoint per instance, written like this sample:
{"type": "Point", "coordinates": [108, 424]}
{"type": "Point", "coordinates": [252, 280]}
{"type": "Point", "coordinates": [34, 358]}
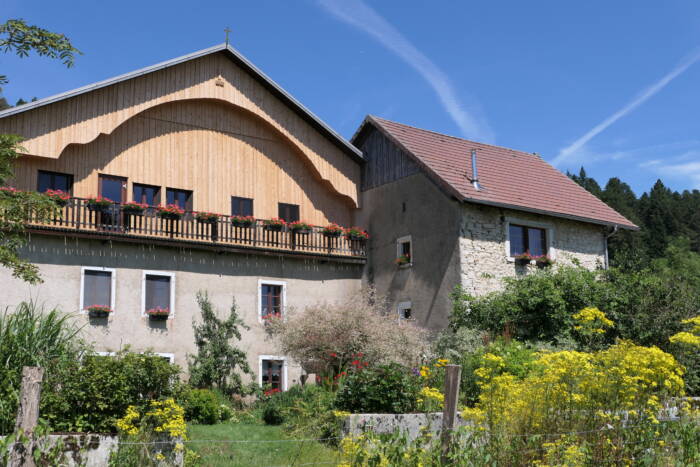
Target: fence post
{"type": "Point", "coordinates": [27, 415]}
{"type": "Point", "coordinates": [449, 412]}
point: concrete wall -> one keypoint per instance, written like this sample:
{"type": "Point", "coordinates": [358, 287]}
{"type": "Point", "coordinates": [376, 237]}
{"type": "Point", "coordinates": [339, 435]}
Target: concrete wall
{"type": "Point", "coordinates": [225, 276]}
{"type": "Point", "coordinates": [484, 249]}
{"type": "Point", "coordinates": [414, 206]}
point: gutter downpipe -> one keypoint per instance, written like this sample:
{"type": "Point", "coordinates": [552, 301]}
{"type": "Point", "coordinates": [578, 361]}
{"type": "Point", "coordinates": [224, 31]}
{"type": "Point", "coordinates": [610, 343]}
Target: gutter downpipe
{"type": "Point", "coordinates": [607, 257]}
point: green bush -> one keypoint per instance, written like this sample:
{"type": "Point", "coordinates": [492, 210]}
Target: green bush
{"type": "Point", "coordinates": [272, 414]}
{"type": "Point", "coordinates": [201, 406]}
{"type": "Point", "coordinates": [390, 388]}
{"type": "Point", "coordinates": [91, 393]}
{"type": "Point", "coordinates": [31, 337]}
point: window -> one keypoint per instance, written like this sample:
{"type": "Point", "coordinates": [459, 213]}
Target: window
{"type": "Point", "coordinates": [54, 181]}
{"type": "Point", "coordinates": [241, 206]}
{"type": "Point", "coordinates": [170, 357]}
{"type": "Point", "coordinates": [159, 291]}
{"type": "Point", "coordinates": [272, 298]}
{"type": "Point", "coordinates": [404, 309]}
{"type": "Point", "coordinates": [273, 372]}
{"type": "Point", "coordinates": [182, 198]}
{"type": "Point", "coordinates": [404, 251]}
{"type": "Point", "coordinates": [146, 194]}
{"type": "Point", "coordinates": [525, 239]}
{"type": "Point", "coordinates": [288, 212]}
{"type": "Point", "coordinates": [97, 285]}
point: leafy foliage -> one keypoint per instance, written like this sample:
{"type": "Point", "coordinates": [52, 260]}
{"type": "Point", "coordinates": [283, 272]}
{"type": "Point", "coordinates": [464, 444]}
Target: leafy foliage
{"type": "Point", "coordinates": [325, 338]}
{"type": "Point", "coordinates": [91, 393]}
{"type": "Point", "coordinates": [21, 38]}
{"type": "Point", "coordinates": [217, 361]}
{"type": "Point", "coordinates": [31, 337]}
{"type": "Point", "coordinates": [389, 388]}
{"type": "Point", "coordinates": [202, 406]}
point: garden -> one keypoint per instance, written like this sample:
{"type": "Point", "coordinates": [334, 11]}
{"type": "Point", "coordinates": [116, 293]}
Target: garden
{"type": "Point", "coordinates": [564, 366]}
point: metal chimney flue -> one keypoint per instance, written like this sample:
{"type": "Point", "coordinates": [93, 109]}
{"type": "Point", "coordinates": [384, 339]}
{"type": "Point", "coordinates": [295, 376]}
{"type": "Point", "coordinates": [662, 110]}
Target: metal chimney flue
{"type": "Point", "coordinates": [475, 172]}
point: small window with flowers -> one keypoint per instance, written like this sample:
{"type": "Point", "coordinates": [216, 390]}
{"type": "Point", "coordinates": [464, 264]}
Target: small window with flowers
{"type": "Point", "coordinates": [404, 252]}
{"type": "Point", "coordinates": [528, 243]}
{"type": "Point", "coordinates": [272, 298]}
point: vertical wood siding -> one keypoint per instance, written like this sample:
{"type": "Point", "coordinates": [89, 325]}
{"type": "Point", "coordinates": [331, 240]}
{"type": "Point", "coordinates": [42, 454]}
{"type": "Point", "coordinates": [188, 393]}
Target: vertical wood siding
{"type": "Point", "coordinates": [386, 162]}
{"type": "Point", "coordinates": [51, 129]}
{"type": "Point", "coordinates": [212, 148]}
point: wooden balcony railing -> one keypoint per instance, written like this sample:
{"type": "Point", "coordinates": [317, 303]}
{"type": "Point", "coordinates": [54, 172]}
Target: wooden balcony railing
{"type": "Point", "coordinates": [112, 221]}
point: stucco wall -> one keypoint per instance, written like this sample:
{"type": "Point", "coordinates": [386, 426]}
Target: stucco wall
{"type": "Point", "coordinates": [484, 250]}
{"type": "Point", "coordinates": [224, 276]}
{"type": "Point", "coordinates": [433, 221]}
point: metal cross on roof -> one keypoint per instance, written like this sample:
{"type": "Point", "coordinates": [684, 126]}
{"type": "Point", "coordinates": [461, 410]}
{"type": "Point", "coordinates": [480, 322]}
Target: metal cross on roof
{"type": "Point", "coordinates": [227, 30]}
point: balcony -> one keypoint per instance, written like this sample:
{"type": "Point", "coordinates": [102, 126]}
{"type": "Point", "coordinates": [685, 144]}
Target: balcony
{"type": "Point", "coordinates": [76, 218]}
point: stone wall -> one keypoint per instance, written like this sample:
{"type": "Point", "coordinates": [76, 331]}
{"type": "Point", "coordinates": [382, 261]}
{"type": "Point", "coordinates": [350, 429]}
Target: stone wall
{"type": "Point", "coordinates": [484, 252]}
{"type": "Point", "coordinates": [410, 424]}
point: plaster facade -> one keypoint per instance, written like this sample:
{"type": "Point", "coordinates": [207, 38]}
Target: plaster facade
{"type": "Point", "coordinates": [224, 276]}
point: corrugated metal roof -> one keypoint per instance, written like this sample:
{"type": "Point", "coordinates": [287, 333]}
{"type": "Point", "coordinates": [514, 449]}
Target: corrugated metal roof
{"type": "Point", "coordinates": [507, 178]}
{"type": "Point", "coordinates": [234, 54]}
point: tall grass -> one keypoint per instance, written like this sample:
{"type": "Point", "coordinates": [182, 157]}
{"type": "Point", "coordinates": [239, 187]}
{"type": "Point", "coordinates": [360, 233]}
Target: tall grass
{"type": "Point", "coordinates": [30, 336]}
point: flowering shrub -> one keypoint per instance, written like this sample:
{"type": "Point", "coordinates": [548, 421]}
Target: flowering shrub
{"type": "Point", "coordinates": [171, 211]}
{"type": "Point", "coordinates": [523, 258]}
{"type": "Point", "coordinates": [299, 226]}
{"type": "Point", "coordinates": [403, 259]}
{"type": "Point", "coordinates": [9, 191]}
{"type": "Point", "coordinates": [132, 207]}
{"type": "Point", "coordinates": [324, 338]}
{"type": "Point", "coordinates": [571, 391]}
{"type": "Point", "coordinates": [275, 223]}
{"type": "Point", "coordinates": [356, 233]}
{"type": "Point", "coordinates": [158, 312]}
{"type": "Point", "coordinates": [206, 217]}
{"type": "Point", "coordinates": [591, 325]}
{"type": "Point", "coordinates": [99, 309]}
{"type": "Point", "coordinates": [152, 436]}
{"type": "Point", "coordinates": [99, 202]}
{"type": "Point", "coordinates": [242, 221]}
{"type": "Point", "coordinates": [690, 339]}
{"type": "Point", "coordinates": [332, 230]}
{"type": "Point", "coordinates": [59, 197]}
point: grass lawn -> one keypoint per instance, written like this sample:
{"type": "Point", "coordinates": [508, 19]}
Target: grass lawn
{"type": "Point", "coordinates": [252, 453]}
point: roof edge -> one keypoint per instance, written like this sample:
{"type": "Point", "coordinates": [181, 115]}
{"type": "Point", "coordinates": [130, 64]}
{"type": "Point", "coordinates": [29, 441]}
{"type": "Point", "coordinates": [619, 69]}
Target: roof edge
{"type": "Point", "coordinates": [451, 191]}
{"type": "Point", "coordinates": [275, 88]}
{"type": "Point", "coordinates": [588, 220]}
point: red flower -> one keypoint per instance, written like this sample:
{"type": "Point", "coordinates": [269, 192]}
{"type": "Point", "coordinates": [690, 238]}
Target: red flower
{"type": "Point", "coordinates": [355, 362]}
{"type": "Point", "coordinates": [333, 354]}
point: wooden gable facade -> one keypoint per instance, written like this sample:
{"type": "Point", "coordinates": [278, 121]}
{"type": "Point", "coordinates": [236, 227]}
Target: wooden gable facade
{"type": "Point", "coordinates": [211, 124]}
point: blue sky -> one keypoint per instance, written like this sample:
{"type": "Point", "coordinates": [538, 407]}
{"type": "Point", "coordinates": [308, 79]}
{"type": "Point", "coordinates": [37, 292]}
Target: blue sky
{"type": "Point", "coordinates": [612, 86]}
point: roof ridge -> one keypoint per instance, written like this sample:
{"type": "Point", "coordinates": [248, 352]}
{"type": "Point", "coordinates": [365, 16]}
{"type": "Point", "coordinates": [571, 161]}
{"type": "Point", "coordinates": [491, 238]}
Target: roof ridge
{"type": "Point", "coordinates": [241, 59]}
{"type": "Point", "coordinates": [456, 137]}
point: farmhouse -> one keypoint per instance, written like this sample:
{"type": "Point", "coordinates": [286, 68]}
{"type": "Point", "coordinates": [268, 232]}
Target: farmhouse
{"type": "Point", "coordinates": [211, 133]}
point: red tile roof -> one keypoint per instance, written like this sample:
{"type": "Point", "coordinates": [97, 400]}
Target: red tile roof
{"type": "Point", "coordinates": [507, 177]}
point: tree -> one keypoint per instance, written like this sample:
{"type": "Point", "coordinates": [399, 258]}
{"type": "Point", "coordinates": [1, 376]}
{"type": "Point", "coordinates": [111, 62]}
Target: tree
{"type": "Point", "coordinates": [20, 38]}
{"type": "Point", "coordinates": [217, 360]}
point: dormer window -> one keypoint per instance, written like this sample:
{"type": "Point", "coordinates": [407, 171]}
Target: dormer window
{"type": "Point", "coordinates": [525, 239]}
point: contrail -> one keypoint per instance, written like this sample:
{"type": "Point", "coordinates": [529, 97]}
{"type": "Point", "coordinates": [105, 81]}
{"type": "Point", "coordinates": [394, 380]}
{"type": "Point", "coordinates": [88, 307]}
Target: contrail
{"type": "Point", "coordinates": [358, 14]}
{"type": "Point", "coordinates": [636, 102]}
